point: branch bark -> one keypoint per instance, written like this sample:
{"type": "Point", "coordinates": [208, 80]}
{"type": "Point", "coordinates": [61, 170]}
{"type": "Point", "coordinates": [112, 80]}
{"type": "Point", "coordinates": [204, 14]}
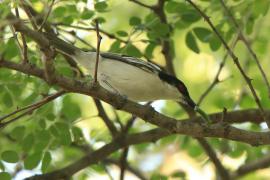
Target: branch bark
{"type": "Point", "coordinates": [187, 127]}
{"type": "Point", "coordinates": [102, 153]}
{"type": "Point", "coordinates": [262, 163]}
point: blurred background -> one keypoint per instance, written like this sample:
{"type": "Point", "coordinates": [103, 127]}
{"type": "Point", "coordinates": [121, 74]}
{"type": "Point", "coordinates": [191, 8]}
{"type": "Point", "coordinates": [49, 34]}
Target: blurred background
{"type": "Point", "coordinates": [62, 131]}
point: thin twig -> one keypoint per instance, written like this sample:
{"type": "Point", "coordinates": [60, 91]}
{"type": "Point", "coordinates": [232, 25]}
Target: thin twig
{"type": "Point", "coordinates": [242, 37]}
{"type": "Point", "coordinates": [222, 171]}
{"type": "Point", "coordinates": [105, 118]}
{"type": "Point", "coordinates": [108, 161]}
{"type": "Point", "coordinates": [249, 167]}
{"type": "Point", "coordinates": [216, 79]}
{"type": "Point", "coordinates": [99, 38]}
{"type": "Point", "coordinates": [47, 15]}
{"type": "Point", "coordinates": [235, 59]}
{"type": "Point", "coordinates": [110, 35]}
{"type": "Point", "coordinates": [24, 47]}
{"type": "Point", "coordinates": [27, 11]}
{"type": "Point", "coordinates": [72, 33]}
{"type": "Point", "coordinates": [29, 109]}
{"type": "Point", "coordinates": [142, 4]}
{"type": "Point", "coordinates": [123, 163]}
{"type": "Point", "coordinates": [123, 159]}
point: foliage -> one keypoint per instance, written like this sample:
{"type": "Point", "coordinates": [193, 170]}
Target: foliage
{"type": "Point", "coordinates": [62, 131]}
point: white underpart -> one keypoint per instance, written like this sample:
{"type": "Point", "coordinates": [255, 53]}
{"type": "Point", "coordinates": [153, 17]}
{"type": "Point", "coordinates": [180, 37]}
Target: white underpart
{"type": "Point", "coordinates": [127, 80]}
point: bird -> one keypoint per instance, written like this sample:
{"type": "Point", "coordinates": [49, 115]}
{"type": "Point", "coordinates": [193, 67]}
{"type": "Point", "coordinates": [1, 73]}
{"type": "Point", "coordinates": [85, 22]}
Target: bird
{"type": "Point", "coordinates": [131, 77]}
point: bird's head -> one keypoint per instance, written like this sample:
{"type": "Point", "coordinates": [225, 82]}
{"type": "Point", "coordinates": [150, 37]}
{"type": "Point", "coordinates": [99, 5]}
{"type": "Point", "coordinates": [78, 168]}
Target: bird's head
{"type": "Point", "coordinates": [180, 86]}
{"type": "Point", "coordinates": [184, 95]}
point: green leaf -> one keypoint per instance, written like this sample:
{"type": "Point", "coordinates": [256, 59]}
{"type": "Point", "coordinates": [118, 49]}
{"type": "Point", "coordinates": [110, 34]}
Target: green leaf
{"type": "Point", "coordinates": [260, 7]}
{"type": "Point", "coordinates": [18, 133]}
{"type": "Point", "coordinates": [175, 7]}
{"type": "Point", "coordinates": [191, 42]}
{"type": "Point", "coordinates": [2, 167]}
{"type": "Point", "coordinates": [179, 174]}
{"type": "Point", "coordinates": [42, 123]}
{"type": "Point", "coordinates": [132, 50]}
{"type": "Point", "coordinates": [32, 161]}
{"type": "Point", "coordinates": [11, 49]}
{"type": "Point", "coordinates": [59, 11]}
{"type": "Point", "coordinates": [70, 109]}
{"type": "Point", "coordinates": [69, 19]}
{"type": "Point", "coordinates": [122, 33]}
{"type": "Point", "coordinates": [181, 24]}
{"type": "Point", "coordinates": [43, 138]}
{"type": "Point", "coordinates": [77, 133]}
{"type": "Point", "coordinates": [150, 49]}
{"type": "Point", "coordinates": [101, 20]}
{"type": "Point", "coordinates": [158, 177]}
{"type": "Point", "coordinates": [28, 142]}
{"type": "Point", "coordinates": [250, 25]}
{"type": "Point", "coordinates": [87, 14]}
{"type": "Point", "coordinates": [134, 21]}
{"type": "Point", "coordinates": [202, 34]}
{"type": "Point", "coordinates": [5, 176]}
{"type": "Point", "coordinates": [101, 6]}
{"type": "Point", "coordinates": [161, 29]}
{"type": "Point", "coordinates": [71, 9]}
{"type": "Point", "coordinates": [64, 133]}
{"type": "Point", "coordinates": [215, 43]}
{"type": "Point", "coordinates": [10, 156]}
{"type": "Point", "coordinates": [50, 116]}
{"type": "Point", "coordinates": [194, 151]}
{"type": "Point", "coordinates": [115, 47]}
{"type": "Point", "coordinates": [7, 100]}
{"type": "Point", "coordinates": [191, 16]}
{"type": "Point", "coordinates": [47, 158]}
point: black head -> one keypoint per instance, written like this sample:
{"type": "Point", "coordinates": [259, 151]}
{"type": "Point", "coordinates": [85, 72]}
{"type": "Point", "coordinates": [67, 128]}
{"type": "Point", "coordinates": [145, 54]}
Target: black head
{"type": "Point", "coordinates": [180, 86]}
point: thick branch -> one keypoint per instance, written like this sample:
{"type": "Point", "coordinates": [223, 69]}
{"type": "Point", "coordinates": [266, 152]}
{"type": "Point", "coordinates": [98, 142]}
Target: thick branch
{"type": "Point", "coordinates": [252, 166]}
{"type": "Point", "coordinates": [149, 114]}
{"type": "Point", "coordinates": [102, 153]}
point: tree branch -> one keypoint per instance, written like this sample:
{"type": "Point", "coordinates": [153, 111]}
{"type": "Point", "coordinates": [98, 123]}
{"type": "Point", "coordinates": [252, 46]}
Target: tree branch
{"type": "Point", "coordinates": [223, 173]}
{"type": "Point", "coordinates": [142, 111]}
{"type": "Point", "coordinates": [112, 36]}
{"type": "Point", "coordinates": [187, 127]}
{"type": "Point", "coordinates": [105, 118]}
{"type": "Point", "coordinates": [87, 149]}
{"type": "Point", "coordinates": [99, 38]}
{"type": "Point", "coordinates": [29, 109]}
{"type": "Point", "coordinates": [102, 153]}
{"type": "Point", "coordinates": [242, 37]}
{"type": "Point", "coordinates": [216, 79]}
{"type": "Point", "coordinates": [47, 15]}
{"type": "Point", "coordinates": [235, 59]}
{"type": "Point", "coordinates": [264, 162]}
{"type": "Point", "coordinates": [142, 4]}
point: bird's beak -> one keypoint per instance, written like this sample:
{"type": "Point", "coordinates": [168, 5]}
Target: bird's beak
{"type": "Point", "coordinates": [190, 102]}
{"type": "Point", "coordinates": [196, 108]}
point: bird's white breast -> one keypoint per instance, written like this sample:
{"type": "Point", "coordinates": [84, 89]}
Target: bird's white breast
{"type": "Point", "coordinates": [128, 80]}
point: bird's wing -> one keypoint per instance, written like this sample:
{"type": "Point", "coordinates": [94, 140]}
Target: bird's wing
{"type": "Point", "coordinates": [144, 65]}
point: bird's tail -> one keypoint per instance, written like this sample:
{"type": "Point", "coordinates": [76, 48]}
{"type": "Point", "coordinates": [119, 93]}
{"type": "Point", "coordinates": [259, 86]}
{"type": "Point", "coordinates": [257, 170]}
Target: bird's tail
{"type": "Point", "coordinates": [61, 45]}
